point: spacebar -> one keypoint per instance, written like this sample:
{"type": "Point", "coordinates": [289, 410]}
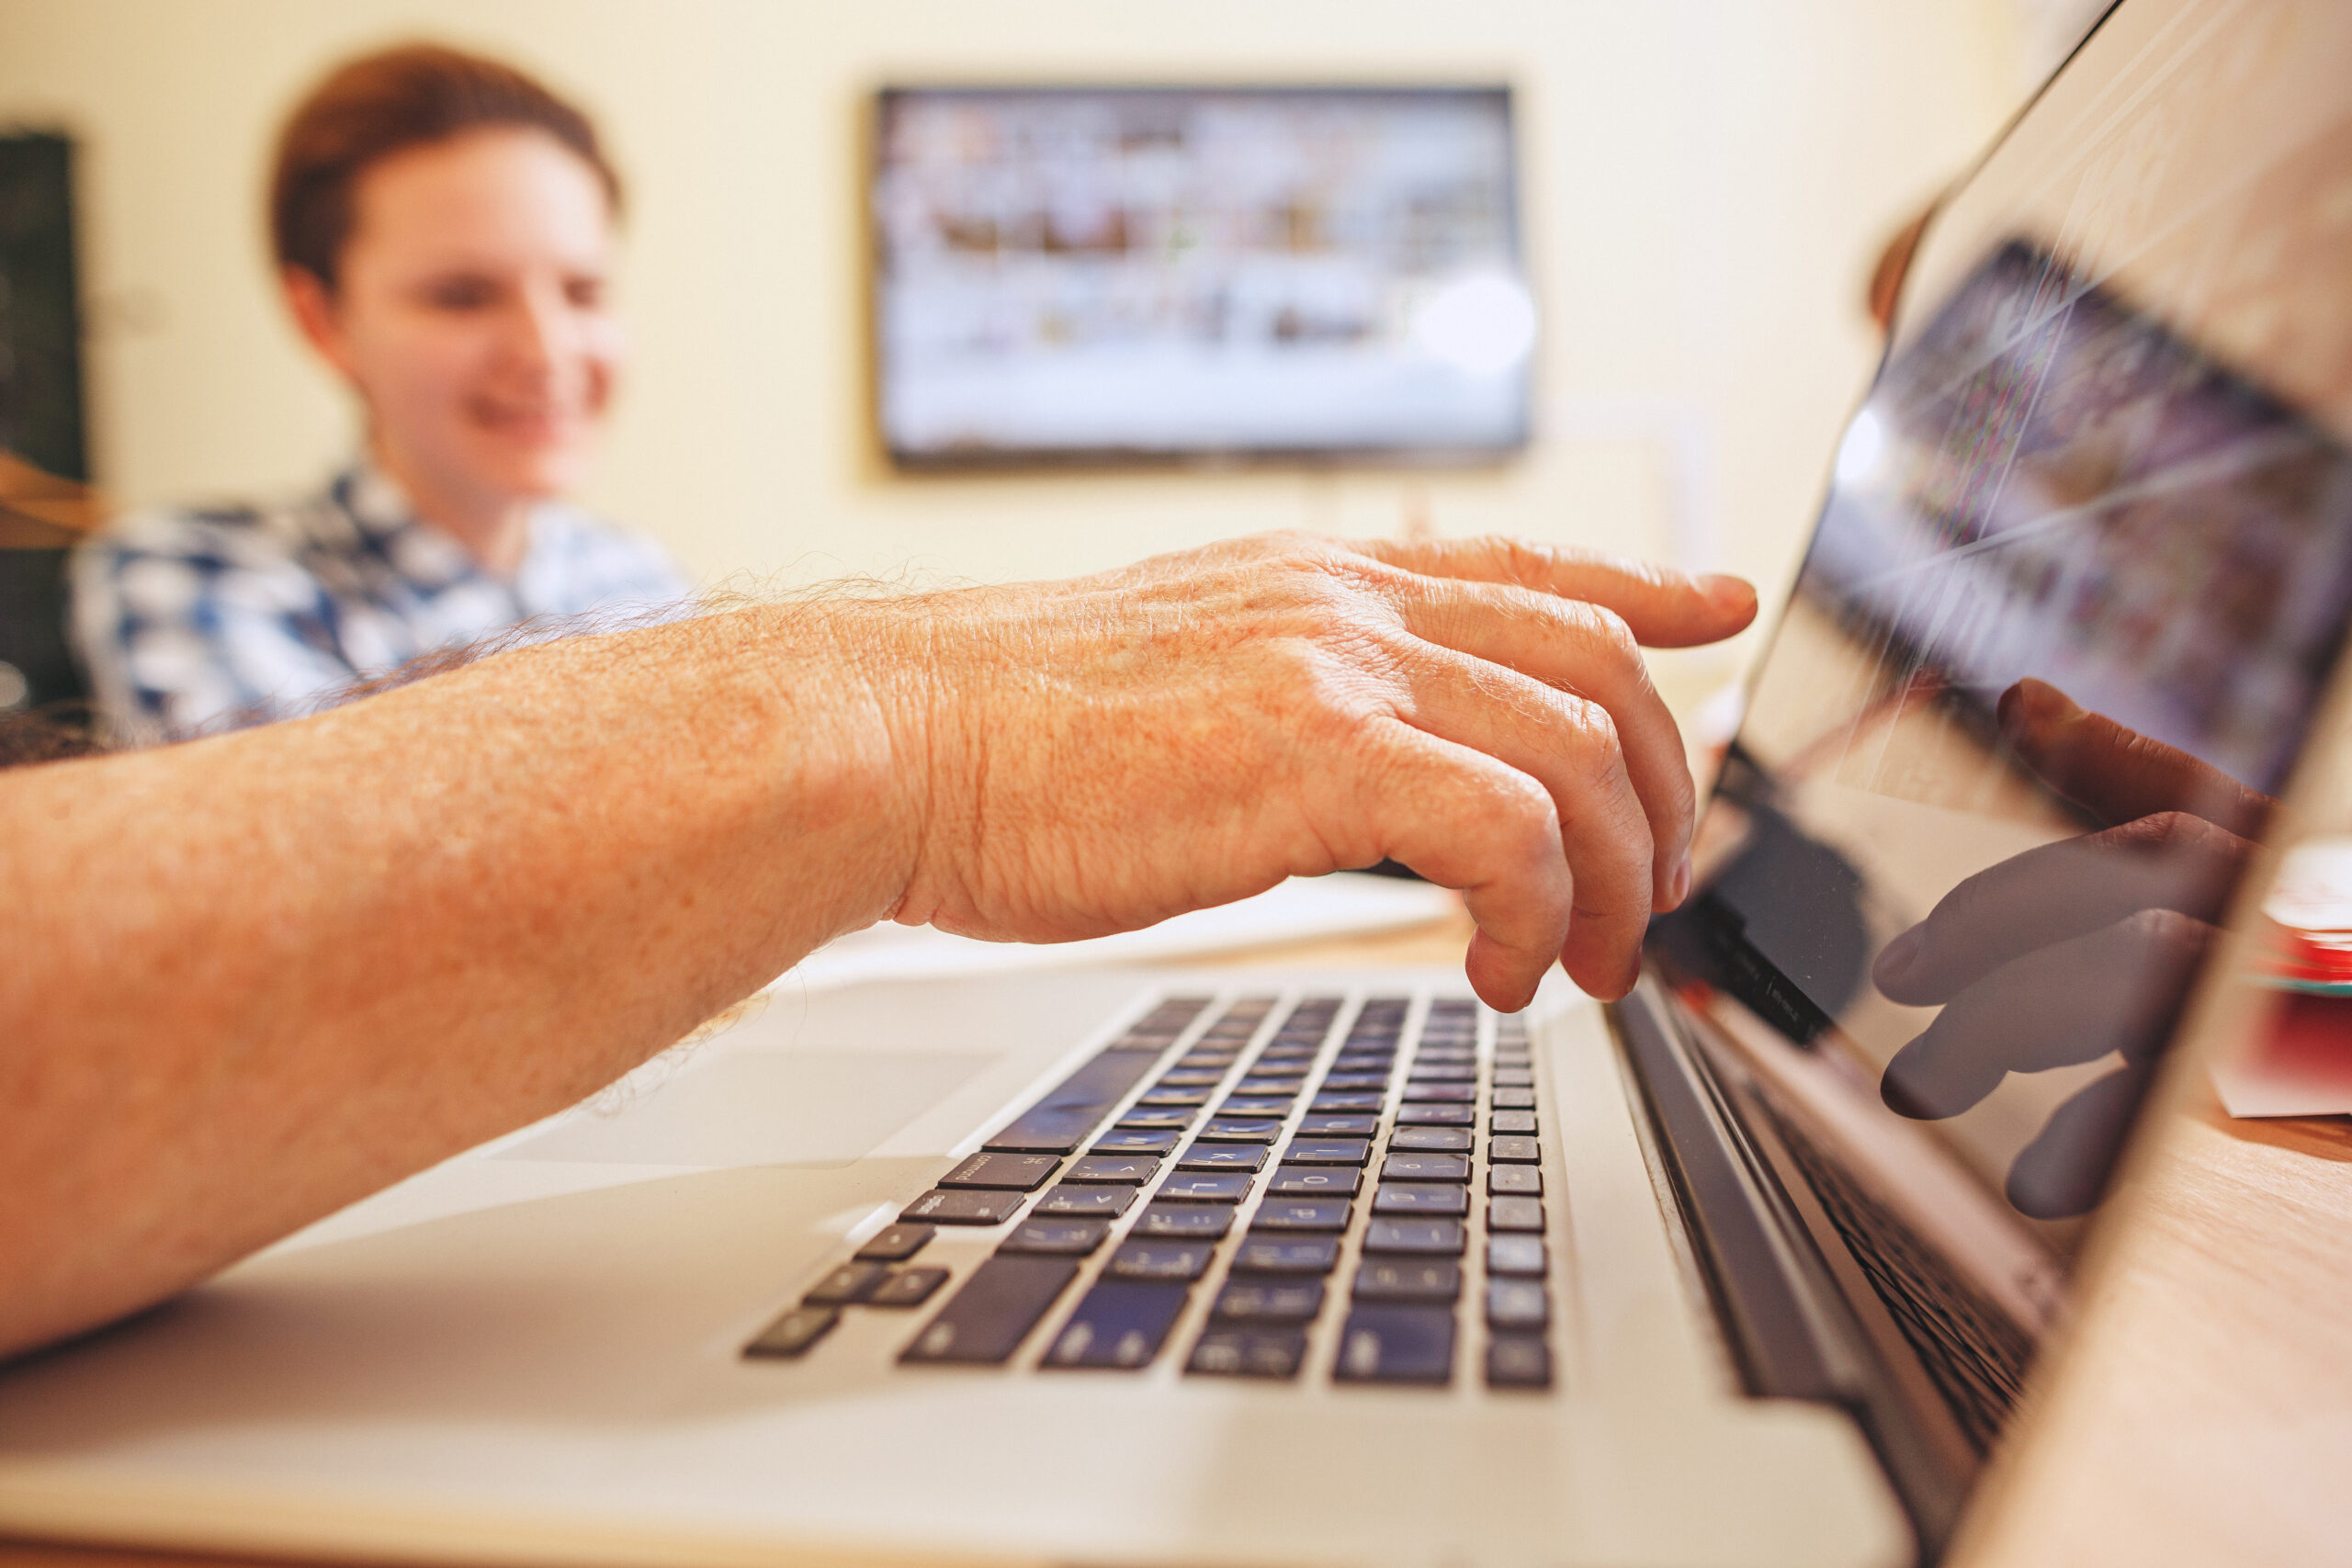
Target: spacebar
{"type": "Point", "coordinates": [1059, 1122]}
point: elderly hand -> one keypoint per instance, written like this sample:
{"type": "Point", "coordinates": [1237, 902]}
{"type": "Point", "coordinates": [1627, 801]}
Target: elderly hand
{"type": "Point", "coordinates": [1098, 754]}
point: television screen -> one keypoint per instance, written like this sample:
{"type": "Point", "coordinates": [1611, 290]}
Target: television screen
{"type": "Point", "coordinates": [1106, 273]}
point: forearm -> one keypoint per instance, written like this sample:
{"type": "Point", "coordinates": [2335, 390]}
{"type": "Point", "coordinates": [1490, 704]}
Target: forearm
{"type": "Point", "coordinates": [291, 965]}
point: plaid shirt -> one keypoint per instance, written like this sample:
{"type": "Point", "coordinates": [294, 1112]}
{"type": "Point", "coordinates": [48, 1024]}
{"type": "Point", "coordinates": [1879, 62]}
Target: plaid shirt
{"type": "Point", "coordinates": [191, 622]}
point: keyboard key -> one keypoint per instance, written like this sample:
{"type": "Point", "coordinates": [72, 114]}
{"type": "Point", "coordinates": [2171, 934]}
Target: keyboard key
{"type": "Point", "coordinates": [1430, 1140]}
{"type": "Point", "coordinates": [1431, 1281]}
{"type": "Point", "coordinates": [1284, 1088]}
{"type": "Point", "coordinates": [1350, 1124]}
{"type": "Point", "coordinates": [1129, 1170]}
{"type": "Point", "coordinates": [1223, 1156]}
{"type": "Point", "coordinates": [1422, 1091]}
{"type": "Point", "coordinates": [1310, 1180]}
{"type": "Point", "coordinates": [1421, 1198]}
{"type": "Point", "coordinates": [1518, 1361]}
{"type": "Point", "coordinates": [1328, 1151]}
{"type": "Point", "coordinates": [895, 1243]}
{"type": "Point", "coordinates": [1354, 1061]}
{"type": "Point", "coordinates": [1174, 1096]}
{"type": "Point", "coordinates": [907, 1286]}
{"type": "Point", "coordinates": [1120, 1140]}
{"type": "Point", "coordinates": [1206, 1186]}
{"type": "Point", "coordinates": [941, 1207]}
{"type": "Point", "coordinates": [986, 1321]}
{"type": "Point", "coordinates": [1517, 1255]}
{"type": "Point", "coordinates": [1303, 1214]}
{"type": "Point", "coordinates": [1269, 1300]}
{"type": "Point", "coordinates": [1518, 1304]}
{"type": "Point", "coordinates": [1203, 1057]}
{"type": "Point", "coordinates": [1108, 1202]}
{"type": "Point", "coordinates": [1425, 1167]}
{"type": "Point", "coordinates": [1254, 1105]}
{"type": "Point", "coordinates": [1427, 1069]}
{"type": "Point", "coordinates": [1425, 1115]}
{"type": "Point", "coordinates": [1524, 1180]}
{"type": "Point", "coordinates": [1011, 1173]}
{"type": "Point", "coordinates": [1207, 1076]}
{"type": "Point", "coordinates": [1074, 1238]}
{"type": "Point", "coordinates": [1286, 1254]}
{"type": "Point", "coordinates": [1058, 1122]}
{"type": "Point", "coordinates": [1119, 1323]}
{"type": "Point", "coordinates": [1204, 1222]}
{"type": "Point", "coordinates": [1241, 1129]}
{"type": "Point", "coordinates": [1432, 1238]}
{"type": "Point", "coordinates": [1522, 1122]}
{"type": "Point", "coordinates": [1288, 1054]}
{"type": "Point", "coordinates": [1514, 1100]}
{"type": "Point", "coordinates": [1514, 1214]}
{"type": "Point", "coordinates": [1358, 1101]}
{"type": "Point", "coordinates": [1397, 1344]}
{"type": "Point", "coordinates": [848, 1283]}
{"type": "Point", "coordinates": [1139, 1260]}
{"type": "Point", "coordinates": [791, 1335]}
{"type": "Point", "coordinates": [1337, 1080]}
{"type": "Point", "coordinates": [1514, 1077]}
{"type": "Point", "coordinates": [1513, 1151]}
{"type": "Point", "coordinates": [1157, 1119]}
{"type": "Point", "coordinates": [1248, 1353]}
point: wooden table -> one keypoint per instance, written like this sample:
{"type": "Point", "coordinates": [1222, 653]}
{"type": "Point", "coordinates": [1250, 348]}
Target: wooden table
{"type": "Point", "coordinates": [2205, 1416]}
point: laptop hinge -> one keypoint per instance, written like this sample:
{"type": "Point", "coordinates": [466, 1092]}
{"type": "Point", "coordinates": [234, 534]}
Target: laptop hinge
{"type": "Point", "coordinates": [1791, 1334]}
{"type": "Point", "coordinates": [1774, 1316]}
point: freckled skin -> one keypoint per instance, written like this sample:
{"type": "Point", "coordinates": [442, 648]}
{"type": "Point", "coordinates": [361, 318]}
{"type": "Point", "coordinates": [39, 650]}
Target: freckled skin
{"type": "Point", "coordinates": [252, 978]}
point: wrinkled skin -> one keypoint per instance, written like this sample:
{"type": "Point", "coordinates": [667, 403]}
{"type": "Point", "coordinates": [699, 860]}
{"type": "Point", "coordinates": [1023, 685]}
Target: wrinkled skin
{"type": "Point", "coordinates": [1285, 706]}
{"type": "Point", "coordinates": [2074, 949]}
{"type": "Point", "coordinates": [254, 977]}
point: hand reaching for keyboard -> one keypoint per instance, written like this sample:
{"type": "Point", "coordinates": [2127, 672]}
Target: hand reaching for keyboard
{"type": "Point", "coordinates": [1105, 752]}
{"type": "Point", "coordinates": [364, 940]}
{"type": "Point", "coordinates": [2072, 950]}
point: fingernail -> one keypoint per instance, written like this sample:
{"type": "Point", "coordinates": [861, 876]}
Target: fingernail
{"type": "Point", "coordinates": [1727, 592]}
{"type": "Point", "coordinates": [1681, 878]}
{"type": "Point", "coordinates": [1894, 959]}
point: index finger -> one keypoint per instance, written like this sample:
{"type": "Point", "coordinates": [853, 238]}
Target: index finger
{"type": "Point", "coordinates": [1665, 607]}
{"type": "Point", "coordinates": [2058, 891]}
{"type": "Point", "coordinates": [2120, 774]}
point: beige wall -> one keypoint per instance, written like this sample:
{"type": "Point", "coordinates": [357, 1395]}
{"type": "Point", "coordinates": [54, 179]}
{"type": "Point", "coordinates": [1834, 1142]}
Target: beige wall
{"type": "Point", "coordinates": [1705, 184]}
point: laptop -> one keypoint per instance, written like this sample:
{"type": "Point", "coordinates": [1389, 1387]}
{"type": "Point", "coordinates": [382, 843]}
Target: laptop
{"type": "Point", "coordinates": [1753, 1267]}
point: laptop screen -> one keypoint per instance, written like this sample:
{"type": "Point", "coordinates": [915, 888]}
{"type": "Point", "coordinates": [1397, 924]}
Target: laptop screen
{"type": "Point", "coordinates": [2080, 584]}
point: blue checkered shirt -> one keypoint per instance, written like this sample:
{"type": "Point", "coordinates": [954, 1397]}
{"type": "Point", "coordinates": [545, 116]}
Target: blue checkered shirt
{"type": "Point", "coordinates": [195, 621]}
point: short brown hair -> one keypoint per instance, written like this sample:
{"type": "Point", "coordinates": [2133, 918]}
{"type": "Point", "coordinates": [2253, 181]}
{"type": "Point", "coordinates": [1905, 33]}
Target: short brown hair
{"type": "Point", "coordinates": [380, 104]}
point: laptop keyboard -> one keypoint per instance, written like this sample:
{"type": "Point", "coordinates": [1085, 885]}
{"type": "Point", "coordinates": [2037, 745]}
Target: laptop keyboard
{"type": "Point", "coordinates": [1355, 1192]}
{"type": "Point", "coordinates": [1977, 1358]}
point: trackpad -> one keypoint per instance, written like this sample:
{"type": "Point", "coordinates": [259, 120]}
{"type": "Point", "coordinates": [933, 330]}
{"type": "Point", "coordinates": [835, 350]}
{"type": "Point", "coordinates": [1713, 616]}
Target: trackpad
{"type": "Point", "coordinates": [800, 1106]}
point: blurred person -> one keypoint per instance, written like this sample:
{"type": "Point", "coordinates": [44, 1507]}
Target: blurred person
{"type": "Point", "coordinates": [443, 227]}
{"type": "Point", "coordinates": [253, 977]}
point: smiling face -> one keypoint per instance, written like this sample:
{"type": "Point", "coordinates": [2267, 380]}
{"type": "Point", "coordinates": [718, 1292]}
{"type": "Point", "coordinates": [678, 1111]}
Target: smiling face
{"type": "Point", "coordinates": [471, 315]}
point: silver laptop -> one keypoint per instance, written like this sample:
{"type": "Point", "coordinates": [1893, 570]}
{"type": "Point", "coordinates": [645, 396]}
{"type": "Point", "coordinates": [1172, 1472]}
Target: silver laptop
{"type": "Point", "coordinates": [1263, 1267]}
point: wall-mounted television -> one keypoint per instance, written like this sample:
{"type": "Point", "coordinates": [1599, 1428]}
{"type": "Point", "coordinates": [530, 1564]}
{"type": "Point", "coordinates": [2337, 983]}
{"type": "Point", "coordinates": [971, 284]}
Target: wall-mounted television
{"type": "Point", "coordinates": [1082, 273]}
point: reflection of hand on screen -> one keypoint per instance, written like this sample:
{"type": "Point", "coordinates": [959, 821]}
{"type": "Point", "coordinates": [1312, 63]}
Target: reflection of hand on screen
{"type": "Point", "coordinates": [2073, 950]}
